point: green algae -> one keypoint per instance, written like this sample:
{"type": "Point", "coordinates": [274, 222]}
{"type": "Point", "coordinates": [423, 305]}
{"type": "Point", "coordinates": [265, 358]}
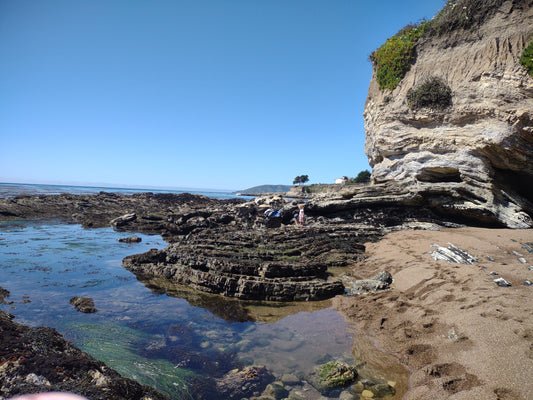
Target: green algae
{"type": "Point", "coordinates": [116, 345]}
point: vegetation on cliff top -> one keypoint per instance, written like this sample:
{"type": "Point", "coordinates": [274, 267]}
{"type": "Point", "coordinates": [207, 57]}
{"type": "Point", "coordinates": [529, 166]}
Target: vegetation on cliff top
{"type": "Point", "coordinates": [394, 58]}
{"type": "Point", "coordinates": [527, 58]}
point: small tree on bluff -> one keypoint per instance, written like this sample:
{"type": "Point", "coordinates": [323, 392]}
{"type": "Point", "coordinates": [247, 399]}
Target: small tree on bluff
{"type": "Point", "coordinates": [363, 177]}
{"type": "Point", "coordinates": [300, 179]}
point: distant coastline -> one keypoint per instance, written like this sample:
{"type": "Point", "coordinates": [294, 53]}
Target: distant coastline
{"type": "Point", "coordinates": [8, 190]}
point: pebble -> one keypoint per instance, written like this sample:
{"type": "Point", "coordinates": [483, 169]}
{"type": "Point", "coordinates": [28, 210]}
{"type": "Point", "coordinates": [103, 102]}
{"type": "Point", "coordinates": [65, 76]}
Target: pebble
{"type": "Point", "coordinates": [493, 273]}
{"type": "Point", "coordinates": [531, 268]}
{"type": "Point", "coordinates": [527, 282]}
{"type": "Point", "coordinates": [528, 248]}
{"type": "Point", "coordinates": [290, 379]}
{"type": "Point", "coordinates": [516, 253]}
{"type": "Point", "coordinates": [37, 380]}
{"type": "Point", "coordinates": [346, 395]}
{"type": "Point", "coordinates": [367, 393]}
{"type": "Point", "coordinates": [522, 260]}
{"type": "Point", "coordinates": [502, 282]}
{"type": "Point", "coordinates": [491, 259]}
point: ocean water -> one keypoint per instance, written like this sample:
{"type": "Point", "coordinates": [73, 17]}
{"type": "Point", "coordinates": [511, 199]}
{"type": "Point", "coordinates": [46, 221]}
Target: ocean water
{"type": "Point", "coordinates": [14, 189]}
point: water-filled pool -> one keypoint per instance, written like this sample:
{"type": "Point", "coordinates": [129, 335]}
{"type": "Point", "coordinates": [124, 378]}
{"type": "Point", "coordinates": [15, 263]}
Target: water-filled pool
{"type": "Point", "coordinates": [163, 339]}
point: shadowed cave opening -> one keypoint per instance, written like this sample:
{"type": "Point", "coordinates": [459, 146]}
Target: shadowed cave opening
{"type": "Point", "coordinates": [439, 174]}
{"type": "Point", "coordinates": [519, 183]}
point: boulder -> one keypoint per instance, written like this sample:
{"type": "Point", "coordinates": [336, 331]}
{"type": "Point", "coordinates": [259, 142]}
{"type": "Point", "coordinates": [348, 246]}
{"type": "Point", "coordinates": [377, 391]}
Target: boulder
{"type": "Point", "coordinates": [123, 220]}
{"type": "Point", "coordinates": [130, 239]}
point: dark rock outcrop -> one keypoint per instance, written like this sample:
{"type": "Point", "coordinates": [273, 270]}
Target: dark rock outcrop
{"type": "Point", "coordinates": [286, 265]}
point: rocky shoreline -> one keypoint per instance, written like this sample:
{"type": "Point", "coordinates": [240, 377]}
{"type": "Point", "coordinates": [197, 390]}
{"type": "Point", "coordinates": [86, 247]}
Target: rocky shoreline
{"type": "Point", "coordinates": [228, 247]}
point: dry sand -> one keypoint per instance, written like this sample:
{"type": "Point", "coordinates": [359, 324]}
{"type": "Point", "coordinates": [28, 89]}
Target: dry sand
{"type": "Point", "coordinates": [459, 334]}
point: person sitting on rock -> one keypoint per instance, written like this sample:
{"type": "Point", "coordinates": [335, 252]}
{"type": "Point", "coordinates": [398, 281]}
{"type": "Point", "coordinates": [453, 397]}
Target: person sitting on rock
{"type": "Point", "coordinates": [273, 213]}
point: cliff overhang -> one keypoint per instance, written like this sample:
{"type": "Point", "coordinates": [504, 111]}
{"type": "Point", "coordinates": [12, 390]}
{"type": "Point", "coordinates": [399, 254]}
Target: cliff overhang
{"type": "Point", "coordinates": [472, 156]}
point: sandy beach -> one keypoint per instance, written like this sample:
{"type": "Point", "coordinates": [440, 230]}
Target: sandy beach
{"type": "Point", "coordinates": [460, 335]}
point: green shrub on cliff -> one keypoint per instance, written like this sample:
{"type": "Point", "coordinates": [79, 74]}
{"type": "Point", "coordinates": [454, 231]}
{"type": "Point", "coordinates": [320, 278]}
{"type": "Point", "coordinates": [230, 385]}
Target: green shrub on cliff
{"type": "Point", "coordinates": [393, 59]}
{"type": "Point", "coordinates": [432, 93]}
{"type": "Point", "coordinates": [527, 58]}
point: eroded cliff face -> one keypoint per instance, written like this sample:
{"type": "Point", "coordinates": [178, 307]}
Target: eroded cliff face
{"type": "Point", "coordinates": [475, 157]}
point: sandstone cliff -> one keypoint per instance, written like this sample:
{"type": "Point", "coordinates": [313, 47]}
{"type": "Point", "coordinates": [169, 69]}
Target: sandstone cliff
{"type": "Point", "coordinates": [473, 158]}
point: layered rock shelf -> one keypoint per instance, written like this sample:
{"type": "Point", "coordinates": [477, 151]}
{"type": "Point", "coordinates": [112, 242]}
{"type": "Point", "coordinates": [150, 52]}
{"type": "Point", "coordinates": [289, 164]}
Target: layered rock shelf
{"type": "Point", "coordinates": [289, 265]}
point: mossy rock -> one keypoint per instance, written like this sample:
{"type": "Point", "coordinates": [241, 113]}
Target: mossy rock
{"type": "Point", "coordinates": [334, 375]}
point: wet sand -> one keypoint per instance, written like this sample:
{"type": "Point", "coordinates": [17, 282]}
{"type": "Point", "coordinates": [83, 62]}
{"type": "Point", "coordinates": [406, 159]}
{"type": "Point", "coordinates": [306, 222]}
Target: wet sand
{"type": "Point", "coordinates": [460, 335]}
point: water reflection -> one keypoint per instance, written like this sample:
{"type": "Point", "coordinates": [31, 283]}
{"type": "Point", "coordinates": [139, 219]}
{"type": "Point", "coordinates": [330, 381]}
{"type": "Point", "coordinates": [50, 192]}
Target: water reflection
{"type": "Point", "coordinates": [233, 310]}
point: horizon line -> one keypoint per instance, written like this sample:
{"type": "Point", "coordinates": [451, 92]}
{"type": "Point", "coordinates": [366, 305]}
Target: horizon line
{"type": "Point", "coordinates": [115, 186]}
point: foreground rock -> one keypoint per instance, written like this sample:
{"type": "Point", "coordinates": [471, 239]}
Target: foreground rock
{"type": "Point", "coordinates": [474, 157]}
{"type": "Point", "coordinates": [334, 374]}
{"type": "Point", "coordinates": [40, 360]}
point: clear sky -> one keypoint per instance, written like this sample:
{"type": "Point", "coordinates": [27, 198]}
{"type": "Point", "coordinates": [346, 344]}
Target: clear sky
{"type": "Point", "coordinates": [221, 94]}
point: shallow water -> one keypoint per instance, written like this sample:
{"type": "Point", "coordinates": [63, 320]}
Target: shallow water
{"type": "Point", "coordinates": [160, 339]}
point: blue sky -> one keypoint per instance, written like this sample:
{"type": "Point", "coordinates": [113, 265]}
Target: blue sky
{"type": "Point", "coordinates": [221, 94]}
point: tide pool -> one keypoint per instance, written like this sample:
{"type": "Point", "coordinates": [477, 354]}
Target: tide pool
{"type": "Point", "coordinates": [166, 340]}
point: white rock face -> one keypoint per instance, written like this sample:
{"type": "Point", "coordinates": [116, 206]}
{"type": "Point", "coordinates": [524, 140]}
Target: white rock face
{"type": "Point", "coordinates": [476, 156]}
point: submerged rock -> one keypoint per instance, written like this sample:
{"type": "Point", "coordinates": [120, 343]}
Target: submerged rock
{"type": "Point", "coordinates": [243, 383]}
{"type": "Point", "coordinates": [130, 239]}
{"type": "Point", "coordinates": [333, 375]}
{"type": "Point", "coordinates": [3, 295]}
{"type": "Point", "coordinates": [83, 304]}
